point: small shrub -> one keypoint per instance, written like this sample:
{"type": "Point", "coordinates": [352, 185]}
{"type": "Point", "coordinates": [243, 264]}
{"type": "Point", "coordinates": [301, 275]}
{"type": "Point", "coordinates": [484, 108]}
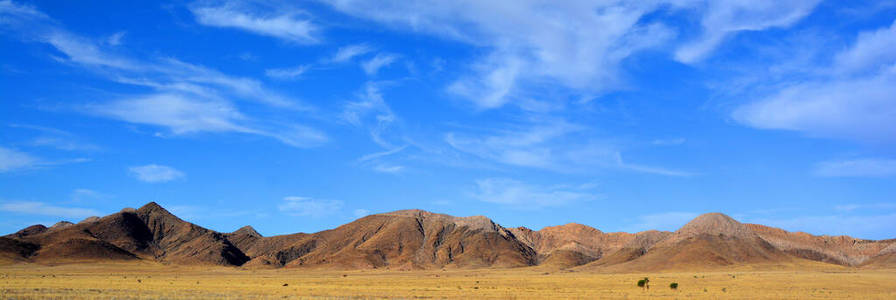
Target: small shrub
{"type": "Point", "coordinates": [673, 285]}
{"type": "Point", "coordinates": [641, 283]}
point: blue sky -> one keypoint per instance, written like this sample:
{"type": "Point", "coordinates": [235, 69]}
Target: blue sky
{"type": "Point", "coordinates": [298, 117]}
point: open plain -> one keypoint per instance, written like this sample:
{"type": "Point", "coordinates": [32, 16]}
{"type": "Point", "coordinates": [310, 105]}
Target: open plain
{"type": "Point", "coordinates": [155, 281]}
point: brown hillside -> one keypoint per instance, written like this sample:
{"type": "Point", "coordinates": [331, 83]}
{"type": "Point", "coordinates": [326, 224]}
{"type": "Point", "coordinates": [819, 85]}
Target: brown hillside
{"type": "Point", "coordinates": [405, 240]}
{"type": "Point", "coordinates": [150, 232]}
{"type": "Point", "coordinates": [30, 230]}
{"type": "Point", "coordinates": [572, 244]}
{"type": "Point", "coordinates": [841, 250]}
{"type": "Point", "coordinates": [416, 239]}
{"type": "Point", "coordinates": [886, 258]}
{"type": "Point", "coordinates": [184, 242]}
{"type": "Point", "coordinates": [635, 248]}
{"type": "Point", "coordinates": [709, 241]}
{"type": "Point", "coordinates": [14, 250]}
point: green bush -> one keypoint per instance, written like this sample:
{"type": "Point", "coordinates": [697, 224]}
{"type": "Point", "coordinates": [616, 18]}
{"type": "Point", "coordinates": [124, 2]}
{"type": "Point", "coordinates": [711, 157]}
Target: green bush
{"type": "Point", "coordinates": [673, 285]}
{"type": "Point", "coordinates": [643, 282]}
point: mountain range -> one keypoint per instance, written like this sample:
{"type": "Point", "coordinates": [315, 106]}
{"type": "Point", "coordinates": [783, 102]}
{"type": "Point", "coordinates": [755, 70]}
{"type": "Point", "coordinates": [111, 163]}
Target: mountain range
{"type": "Point", "coordinates": [416, 239]}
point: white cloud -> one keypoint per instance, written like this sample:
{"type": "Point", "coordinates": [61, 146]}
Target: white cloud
{"type": "Point", "coordinates": [63, 143]}
{"type": "Point", "coordinates": [577, 45]}
{"type": "Point", "coordinates": [868, 206]}
{"type": "Point", "coordinates": [294, 26]}
{"type": "Point", "coordinates": [387, 168]}
{"type": "Point", "coordinates": [153, 173]}
{"type": "Point", "coordinates": [55, 138]}
{"type": "Point", "coordinates": [871, 49]}
{"type": "Point", "coordinates": [542, 145]}
{"type": "Point", "coordinates": [721, 19]}
{"type": "Point", "coordinates": [179, 113]}
{"type": "Point", "coordinates": [376, 155]}
{"type": "Point", "coordinates": [309, 207]}
{"type": "Point", "coordinates": [668, 221]}
{"type": "Point", "coordinates": [371, 111]}
{"type": "Point", "coordinates": [372, 66]}
{"type": "Point", "coordinates": [649, 169]}
{"type": "Point", "coordinates": [286, 73]}
{"type": "Point", "coordinates": [183, 114]}
{"type": "Point", "coordinates": [516, 193]}
{"type": "Point", "coordinates": [40, 208]}
{"type": "Point", "coordinates": [854, 100]}
{"type": "Point", "coordinates": [82, 194]}
{"type": "Point", "coordinates": [867, 167]}
{"type": "Point", "coordinates": [669, 142]}
{"type": "Point", "coordinates": [115, 39]}
{"type": "Point", "coordinates": [548, 144]}
{"type": "Point", "coordinates": [860, 108]}
{"type": "Point", "coordinates": [14, 11]}
{"type": "Point", "coordinates": [346, 53]}
{"type": "Point", "coordinates": [187, 98]}
{"type": "Point", "coordinates": [11, 160]}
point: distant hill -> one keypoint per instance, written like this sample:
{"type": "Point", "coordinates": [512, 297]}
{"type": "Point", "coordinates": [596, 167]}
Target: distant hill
{"type": "Point", "coordinates": [416, 239]}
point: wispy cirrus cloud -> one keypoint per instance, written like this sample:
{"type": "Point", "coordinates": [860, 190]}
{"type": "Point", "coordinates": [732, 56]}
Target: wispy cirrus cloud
{"type": "Point", "coordinates": [576, 45]}
{"type": "Point", "coordinates": [669, 142]}
{"type": "Point", "coordinates": [187, 98]}
{"type": "Point", "coordinates": [722, 19]}
{"type": "Point", "coordinates": [55, 138]}
{"type": "Point", "coordinates": [550, 144]}
{"type": "Point", "coordinates": [381, 60]}
{"type": "Point", "coordinates": [11, 159]}
{"type": "Point", "coordinates": [580, 46]}
{"type": "Point", "coordinates": [309, 207]}
{"type": "Point", "coordinates": [286, 73]}
{"type": "Point", "coordinates": [46, 209]}
{"type": "Point", "coordinates": [863, 167]}
{"type": "Point", "coordinates": [82, 194]}
{"type": "Point", "coordinates": [372, 112]}
{"type": "Point", "coordinates": [292, 26]}
{"type": "Point", "coordinates": [347, 53]}
{"type": "Point", "coordinates": [154, 173]}
{"type": "Point", "coordinates": [850, 99]}
{"type": "Point", "coordinates": [519, 194]}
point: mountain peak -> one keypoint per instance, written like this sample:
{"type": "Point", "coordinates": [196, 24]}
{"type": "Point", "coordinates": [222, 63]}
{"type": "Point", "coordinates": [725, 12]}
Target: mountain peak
{"type": "Point", "coordinates": [473, 222]}
{"type": "Point", "coordinates": [715, 224]}
{"type": "Point", "coordinates": [153, 208]}
{"type": "Point", "coordinates": [247, 230]}
{"type": "Point", "coordinates": [575, 228]}
{"type": "Point", "coordinates": [61, 224]}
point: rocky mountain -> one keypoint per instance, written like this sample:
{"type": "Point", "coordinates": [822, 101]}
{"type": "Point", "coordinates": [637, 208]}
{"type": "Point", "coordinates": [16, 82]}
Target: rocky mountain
{"type": "Point", "coordinates": [408, 239]}
{"type": "Point", "coordinates": [416, 239]}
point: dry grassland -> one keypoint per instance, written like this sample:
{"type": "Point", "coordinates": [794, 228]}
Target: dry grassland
{"type": "Point", "coordinates": [151, 281]}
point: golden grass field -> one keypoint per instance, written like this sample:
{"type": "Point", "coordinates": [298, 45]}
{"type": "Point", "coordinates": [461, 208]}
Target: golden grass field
{"type": "Point", "coordinates": [152, 281]}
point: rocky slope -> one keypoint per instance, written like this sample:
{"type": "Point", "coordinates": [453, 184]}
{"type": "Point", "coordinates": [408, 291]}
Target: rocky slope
{"type": "Point", "coordinates": [415, 239]}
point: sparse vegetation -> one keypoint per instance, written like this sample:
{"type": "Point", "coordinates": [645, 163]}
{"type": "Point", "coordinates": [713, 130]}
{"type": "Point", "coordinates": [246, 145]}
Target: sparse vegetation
{"type": "Point", "coordinates": [204, 282]}
{"type": "Point", "coordinates": [644, 283]}
{"type": "Point", "coordinates": [673, 285]}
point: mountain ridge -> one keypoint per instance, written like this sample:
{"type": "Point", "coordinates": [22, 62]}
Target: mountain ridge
{"type": "Point", "coordinates": [418, 239]}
